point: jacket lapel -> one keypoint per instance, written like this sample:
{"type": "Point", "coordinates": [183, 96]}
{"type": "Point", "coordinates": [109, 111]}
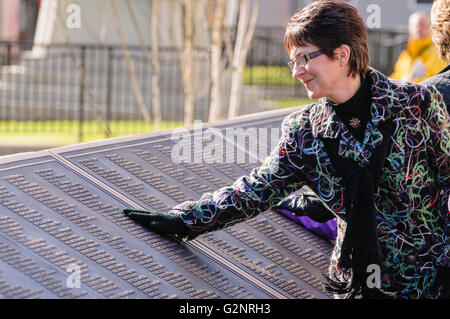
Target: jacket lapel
{"type": "Point", "coordinates": [385, 100]}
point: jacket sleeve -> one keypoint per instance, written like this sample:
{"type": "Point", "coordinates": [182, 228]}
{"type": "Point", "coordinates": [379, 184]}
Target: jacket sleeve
{"type": "Point", "coordinates": [249, 195]}
{"type": "Point", "coordinates": [437, 117]}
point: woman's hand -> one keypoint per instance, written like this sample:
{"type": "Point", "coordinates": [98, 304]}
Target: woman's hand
{"type": "Point", "coordinates": [158, 222]}
{"type": "Point", "coordinates": [306, 204]}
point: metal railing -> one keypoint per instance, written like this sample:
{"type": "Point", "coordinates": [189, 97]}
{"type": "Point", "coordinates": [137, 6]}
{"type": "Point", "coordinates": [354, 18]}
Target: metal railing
{"type": "Point", "coordinates": [36, 91]}
{"type": "Point", "coordinates": [53, 88]}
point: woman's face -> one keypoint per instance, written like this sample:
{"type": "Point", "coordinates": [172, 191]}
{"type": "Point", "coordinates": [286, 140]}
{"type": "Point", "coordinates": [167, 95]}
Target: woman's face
{"type": "Point", "coordinates": [319, 75]}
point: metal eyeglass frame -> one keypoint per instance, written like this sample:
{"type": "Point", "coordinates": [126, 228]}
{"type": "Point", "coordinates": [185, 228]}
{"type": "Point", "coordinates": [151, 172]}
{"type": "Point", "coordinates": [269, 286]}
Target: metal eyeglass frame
{"type": "Point", "coordinates": [308, 56]}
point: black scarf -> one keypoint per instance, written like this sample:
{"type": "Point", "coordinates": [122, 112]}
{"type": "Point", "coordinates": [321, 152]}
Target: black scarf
{"type": "Point", "coordinates": [360, 246]}
{"type": "Point", "coordinates": [356, 108]}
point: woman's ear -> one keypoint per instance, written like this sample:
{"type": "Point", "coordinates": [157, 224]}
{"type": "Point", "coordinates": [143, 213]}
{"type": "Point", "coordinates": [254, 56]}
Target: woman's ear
{"type": "Point", "coordinates": [342, 54]}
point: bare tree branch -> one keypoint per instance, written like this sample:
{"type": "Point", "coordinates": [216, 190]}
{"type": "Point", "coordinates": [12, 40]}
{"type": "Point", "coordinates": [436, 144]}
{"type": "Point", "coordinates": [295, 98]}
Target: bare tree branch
{"type": "Point", "coordinates": [243, 41]}
{"type": "Point", "coordinates": [189, 98]}
{"type": "Point", "coordinates": [134, 81]}
{"type": "Point", "coordinates": [152, 63]}
{"type": "Point", "coordinates": [216, 59]}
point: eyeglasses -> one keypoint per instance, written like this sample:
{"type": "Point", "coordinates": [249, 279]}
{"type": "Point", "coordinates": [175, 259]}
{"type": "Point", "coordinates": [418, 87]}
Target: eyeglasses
{"type": "Point", "coordinates": [303, 59]}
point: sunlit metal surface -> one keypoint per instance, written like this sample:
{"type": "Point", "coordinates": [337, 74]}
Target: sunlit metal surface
{"type": "Point", "coordinates": [62, 235]}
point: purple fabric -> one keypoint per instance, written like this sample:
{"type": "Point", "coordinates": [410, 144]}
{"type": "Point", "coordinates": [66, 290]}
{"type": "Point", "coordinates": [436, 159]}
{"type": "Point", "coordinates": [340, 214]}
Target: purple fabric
{"type": "Point", "coordinates": [327, 229]}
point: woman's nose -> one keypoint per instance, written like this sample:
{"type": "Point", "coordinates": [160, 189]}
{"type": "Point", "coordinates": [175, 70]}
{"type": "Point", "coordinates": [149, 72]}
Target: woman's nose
{"type": "Point", "coordinates": [298, 71]}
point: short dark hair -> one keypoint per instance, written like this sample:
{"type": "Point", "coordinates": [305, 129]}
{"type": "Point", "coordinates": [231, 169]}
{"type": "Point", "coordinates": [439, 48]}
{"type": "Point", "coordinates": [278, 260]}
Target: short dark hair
{"type": "Point", "coordinates": [328, 24]}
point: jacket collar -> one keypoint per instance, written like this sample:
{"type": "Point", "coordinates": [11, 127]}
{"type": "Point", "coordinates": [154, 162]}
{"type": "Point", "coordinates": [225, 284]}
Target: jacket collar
{"type": "Point", "coordinates": [386, 99]}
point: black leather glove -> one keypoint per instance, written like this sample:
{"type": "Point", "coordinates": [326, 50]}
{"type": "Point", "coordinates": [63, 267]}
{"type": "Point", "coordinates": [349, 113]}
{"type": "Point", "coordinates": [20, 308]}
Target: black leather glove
{"type": "Point", "coordinates": [306, 204]}
{"type": "Point", "coordinates": [158, 222]}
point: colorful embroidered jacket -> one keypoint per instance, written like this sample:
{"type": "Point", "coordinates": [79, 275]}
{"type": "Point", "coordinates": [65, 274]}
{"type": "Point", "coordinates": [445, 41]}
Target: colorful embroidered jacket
{"type": "Point", "coordinates": [413, 194]}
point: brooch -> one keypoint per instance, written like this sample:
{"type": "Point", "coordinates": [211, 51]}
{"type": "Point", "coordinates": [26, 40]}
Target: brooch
{"type": "Point", "coordinates": [355, 122]}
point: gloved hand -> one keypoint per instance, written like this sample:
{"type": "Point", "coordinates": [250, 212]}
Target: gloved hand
{"type": "Point", "coordinates": [306, 204]}
{"type": "Point", "coordinates": [158, 222]}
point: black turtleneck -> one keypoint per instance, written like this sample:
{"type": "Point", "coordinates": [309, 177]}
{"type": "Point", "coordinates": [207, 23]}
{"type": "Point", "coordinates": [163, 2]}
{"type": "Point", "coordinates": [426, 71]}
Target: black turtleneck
{"type": "Point", "coordinates": [354, 113]}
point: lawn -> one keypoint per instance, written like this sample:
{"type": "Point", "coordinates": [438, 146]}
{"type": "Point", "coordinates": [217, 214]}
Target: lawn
{"type": "Point", "coordinates": [56, 133]}
{"type": "Point", "coordinates": [267, 75]}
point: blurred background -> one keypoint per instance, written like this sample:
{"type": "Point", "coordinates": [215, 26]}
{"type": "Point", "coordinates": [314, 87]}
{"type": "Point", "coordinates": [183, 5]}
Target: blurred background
{"type": "Point", "coordinates": [73, 71]}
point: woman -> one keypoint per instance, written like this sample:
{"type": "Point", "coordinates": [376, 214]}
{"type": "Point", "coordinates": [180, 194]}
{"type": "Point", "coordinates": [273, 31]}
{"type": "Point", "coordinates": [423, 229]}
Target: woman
{"type": "Point", "coordinates": [376, 151]}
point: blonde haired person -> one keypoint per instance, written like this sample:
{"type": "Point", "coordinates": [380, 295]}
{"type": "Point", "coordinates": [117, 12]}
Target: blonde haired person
{"type": "Point", "coordinates": [440, 32]}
